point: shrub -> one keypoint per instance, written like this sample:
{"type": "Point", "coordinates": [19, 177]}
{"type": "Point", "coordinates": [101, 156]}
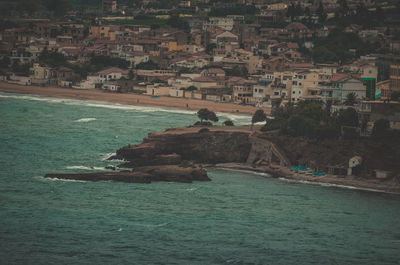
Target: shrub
{"type": "Point", "coordinates": [203, 130]}
{"type": "Point", "coordinates": [228, 123]}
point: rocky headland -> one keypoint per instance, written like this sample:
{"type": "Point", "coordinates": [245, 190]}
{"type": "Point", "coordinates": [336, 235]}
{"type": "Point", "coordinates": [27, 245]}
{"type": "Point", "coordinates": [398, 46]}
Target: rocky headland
{"type": "Point", "coordinates": [179, 155]}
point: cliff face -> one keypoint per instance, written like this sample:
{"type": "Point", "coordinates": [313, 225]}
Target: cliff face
{"type": "Point", "coordinates": [170, 148]}
{"type": "Point", "coordinates": [225, 145]}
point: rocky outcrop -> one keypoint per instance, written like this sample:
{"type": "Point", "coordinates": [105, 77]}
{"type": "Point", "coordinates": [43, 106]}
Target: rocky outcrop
{"type": "Point", "coordinates": [170, 148]}
{"type": "Point", "coordinates": [171, 173]}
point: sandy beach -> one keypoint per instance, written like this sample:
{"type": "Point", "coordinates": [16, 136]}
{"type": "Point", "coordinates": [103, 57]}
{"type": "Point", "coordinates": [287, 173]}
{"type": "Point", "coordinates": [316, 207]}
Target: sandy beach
{"type": "Point", "coordinates": [128, 98]}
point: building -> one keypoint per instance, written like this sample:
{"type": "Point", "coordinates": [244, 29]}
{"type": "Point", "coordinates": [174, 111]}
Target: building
{"type": "Point", "coordinates": [109, 6]}
{"type": "Point", "coordinates": [220, 22]}
{"type": "Point", "coordinates": [395, 77]}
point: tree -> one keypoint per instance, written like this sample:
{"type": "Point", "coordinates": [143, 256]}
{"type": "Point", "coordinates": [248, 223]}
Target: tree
{"type": "Point", "coordinates": [348, 117]}
{"type": "Point", "coordinates": [395, 96]}
{"type": "Point", "coordinates": [381, 127]}
{"type": "Point", "coordinates": [228, 123]}
{"type": "Point", "coordinates": [351, 99]}
{"type": "Point", "coordinates": [258, 116]}
{"type": "Point", "coordinates": [176, 22]}
{"type": "Point", "coordinates": [150, 65]}
{"type": "Point", "coordinates": [58, 7]}
{"type": "Point", "coordinates": [131, 75]}
{"type": "Point", "coordinates": [5, 62]}
{"type": "Point", "coordinates": [191, 88]}
{"type": "Point", "coordinates": [30, 6]}
{"type": "Point", "coordinates": [205, 114]}
{"type": "Point", "coordinates": [210, 47]}
{"type": "Point", "coordinates": [321, 13]}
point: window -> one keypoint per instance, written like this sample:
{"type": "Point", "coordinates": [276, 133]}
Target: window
{"type": "Point", "coordinates": [294, 92]}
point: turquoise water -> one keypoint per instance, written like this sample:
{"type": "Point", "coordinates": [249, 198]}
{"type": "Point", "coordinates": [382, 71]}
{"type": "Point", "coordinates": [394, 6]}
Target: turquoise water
{"type": "Point", "coordinates": [238, 218]}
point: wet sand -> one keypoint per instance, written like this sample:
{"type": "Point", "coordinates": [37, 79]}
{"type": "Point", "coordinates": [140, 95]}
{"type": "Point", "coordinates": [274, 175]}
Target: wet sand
{"type": "Point", "coordinates": [128, 98]}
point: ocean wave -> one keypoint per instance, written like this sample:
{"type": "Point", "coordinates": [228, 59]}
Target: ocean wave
{"type": "Point", "coordinates": [324, 184]}
{"type": "Point", "coordinates": [239, 118]}
{"type": "Point", "coordinates": [85, 168]}
{"type": "Point", "coordinates": [41, 178]}
{"type": "Point", "coordinates": [150, 225]}
{"type": "Point", "coordinates": [244, 171]}
{"type": "Point", "coordinates": [105, 156]}
{"type": "Point", "coordinates": [86, 120]}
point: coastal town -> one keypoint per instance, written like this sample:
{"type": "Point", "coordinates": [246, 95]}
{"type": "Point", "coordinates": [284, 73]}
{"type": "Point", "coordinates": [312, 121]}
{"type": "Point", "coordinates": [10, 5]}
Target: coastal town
{"type": "Point", "coordinates": [200, 132]}
{"type": "Point", "coordinates": [341, 57]}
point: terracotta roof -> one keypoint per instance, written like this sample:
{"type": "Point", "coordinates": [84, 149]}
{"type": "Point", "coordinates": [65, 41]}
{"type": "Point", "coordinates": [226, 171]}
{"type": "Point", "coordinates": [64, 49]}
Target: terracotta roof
{"type": "Point", "coordinates": [215, 71]}
{"type": "Point", "coordinates": [292, 45]}
{"type": "Point", "coordinates": [204, 79]}
{"type": "Point", "coordinates": [296, 26]}
{"type": "Point", "coordinates": [113, 70]}
{"type": "Point", "coordinates": [340, 77]}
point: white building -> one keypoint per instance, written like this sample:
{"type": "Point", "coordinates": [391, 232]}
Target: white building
{"type": "Point", "coordinates": [221, 22]}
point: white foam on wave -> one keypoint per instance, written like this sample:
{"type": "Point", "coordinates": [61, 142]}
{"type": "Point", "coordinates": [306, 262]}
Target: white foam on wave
{"type": "Point", "coordinates": [105, 156]}
{"type": "Point", "coordinates": [41, 178]}
{"type": "Point", "coordinates": [324, 184]}
{"type": "Point", "coordinates": [86, 120]}
{"type": "Point", "coordinates": [84, 168]}
{"type": "Point", "coordinates": [151, 225]}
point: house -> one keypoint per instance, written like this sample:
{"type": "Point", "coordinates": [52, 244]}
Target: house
{"type": "Point", "coordinates": [111, 86]}
{"type": "Point", "coordinates": [220, 22]}
{"type": "Point", "coordinates": [157, 90]}
{"type": "Point", "coordinates": [243, 92]}
{"type": "Point", "coordinates": [214, 72]}
{"type": "Point", "coordinates": [297, 30]}
{"type": "Point", "coordinates": [174, 92]}
{"type": "Point", "coordinates": [20, 80]}
{"type": "Point", "coordinates": [340, 86]}
{"type": "Point", "coordinates": [207, 81]}
{"type": "Point", "coordinates": [150, 75]}
{"type": "Point", "coordinates": [112, 73]}
{"type": "Point", "coordinates": [353, 162]}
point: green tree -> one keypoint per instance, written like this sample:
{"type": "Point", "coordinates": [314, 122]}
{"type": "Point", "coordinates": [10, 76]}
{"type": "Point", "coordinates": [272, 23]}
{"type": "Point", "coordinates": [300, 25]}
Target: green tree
{"type": "Point", "coordinates": [258, 116]}
{"type": "Point", "coordinates": [176, 22]}
{"type": "Point", "coordinates": [321, 13]}
{"type": "Point", "coordinates": [351, 99]}
{"type": "Point", "coordinates": [58, 7]}
{"type": "Point", "coordinates": [381, 128]}
{"type": "Point", "coordinates": [5, 62]}
{"type": "Point", "coordinates": [30, 6]}
{"type": "Point", "coordinates": [150, 65]}
{"type": "Point", "coordinates": [348, 117]}
{"type": "Point", "coordinates": [131, 75]}
{"type": "Point", "coordinates": [206, 114]}
{"type": "Point", "coordinates": [191, 88]}
{"type": "Point", "coordinates": [52, 58]}
{"type": "Point", "coordinates": [228, 123]}
{"type": "Point", "coordinates": [395, 96]}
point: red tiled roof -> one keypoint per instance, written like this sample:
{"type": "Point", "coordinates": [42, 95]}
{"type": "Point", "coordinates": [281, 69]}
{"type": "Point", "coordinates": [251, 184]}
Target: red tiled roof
{"type": "Point", "coordinates": [113, 70]}
{"type": "Point", "coordinates": [340, 77]}
{"type": "Point", "coordinates": [296, 26]}
{"type": "Point", "coordinates": [292, 45]}
{"type": "Point", "coordinates": [204, 79]}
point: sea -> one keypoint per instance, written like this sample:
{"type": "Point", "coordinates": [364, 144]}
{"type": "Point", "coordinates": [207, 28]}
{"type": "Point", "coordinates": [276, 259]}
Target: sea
{"type": "Point", "coordinates": [237, 218]}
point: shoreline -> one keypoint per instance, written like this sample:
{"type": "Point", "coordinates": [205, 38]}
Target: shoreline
{"type": "Point", "coordinates": [328, 180]}
{"type": "Point", "coordinates": [129, 99]}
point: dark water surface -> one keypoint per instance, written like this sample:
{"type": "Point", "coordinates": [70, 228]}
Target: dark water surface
{"type": "Point", "coordinates": [238, 218]}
